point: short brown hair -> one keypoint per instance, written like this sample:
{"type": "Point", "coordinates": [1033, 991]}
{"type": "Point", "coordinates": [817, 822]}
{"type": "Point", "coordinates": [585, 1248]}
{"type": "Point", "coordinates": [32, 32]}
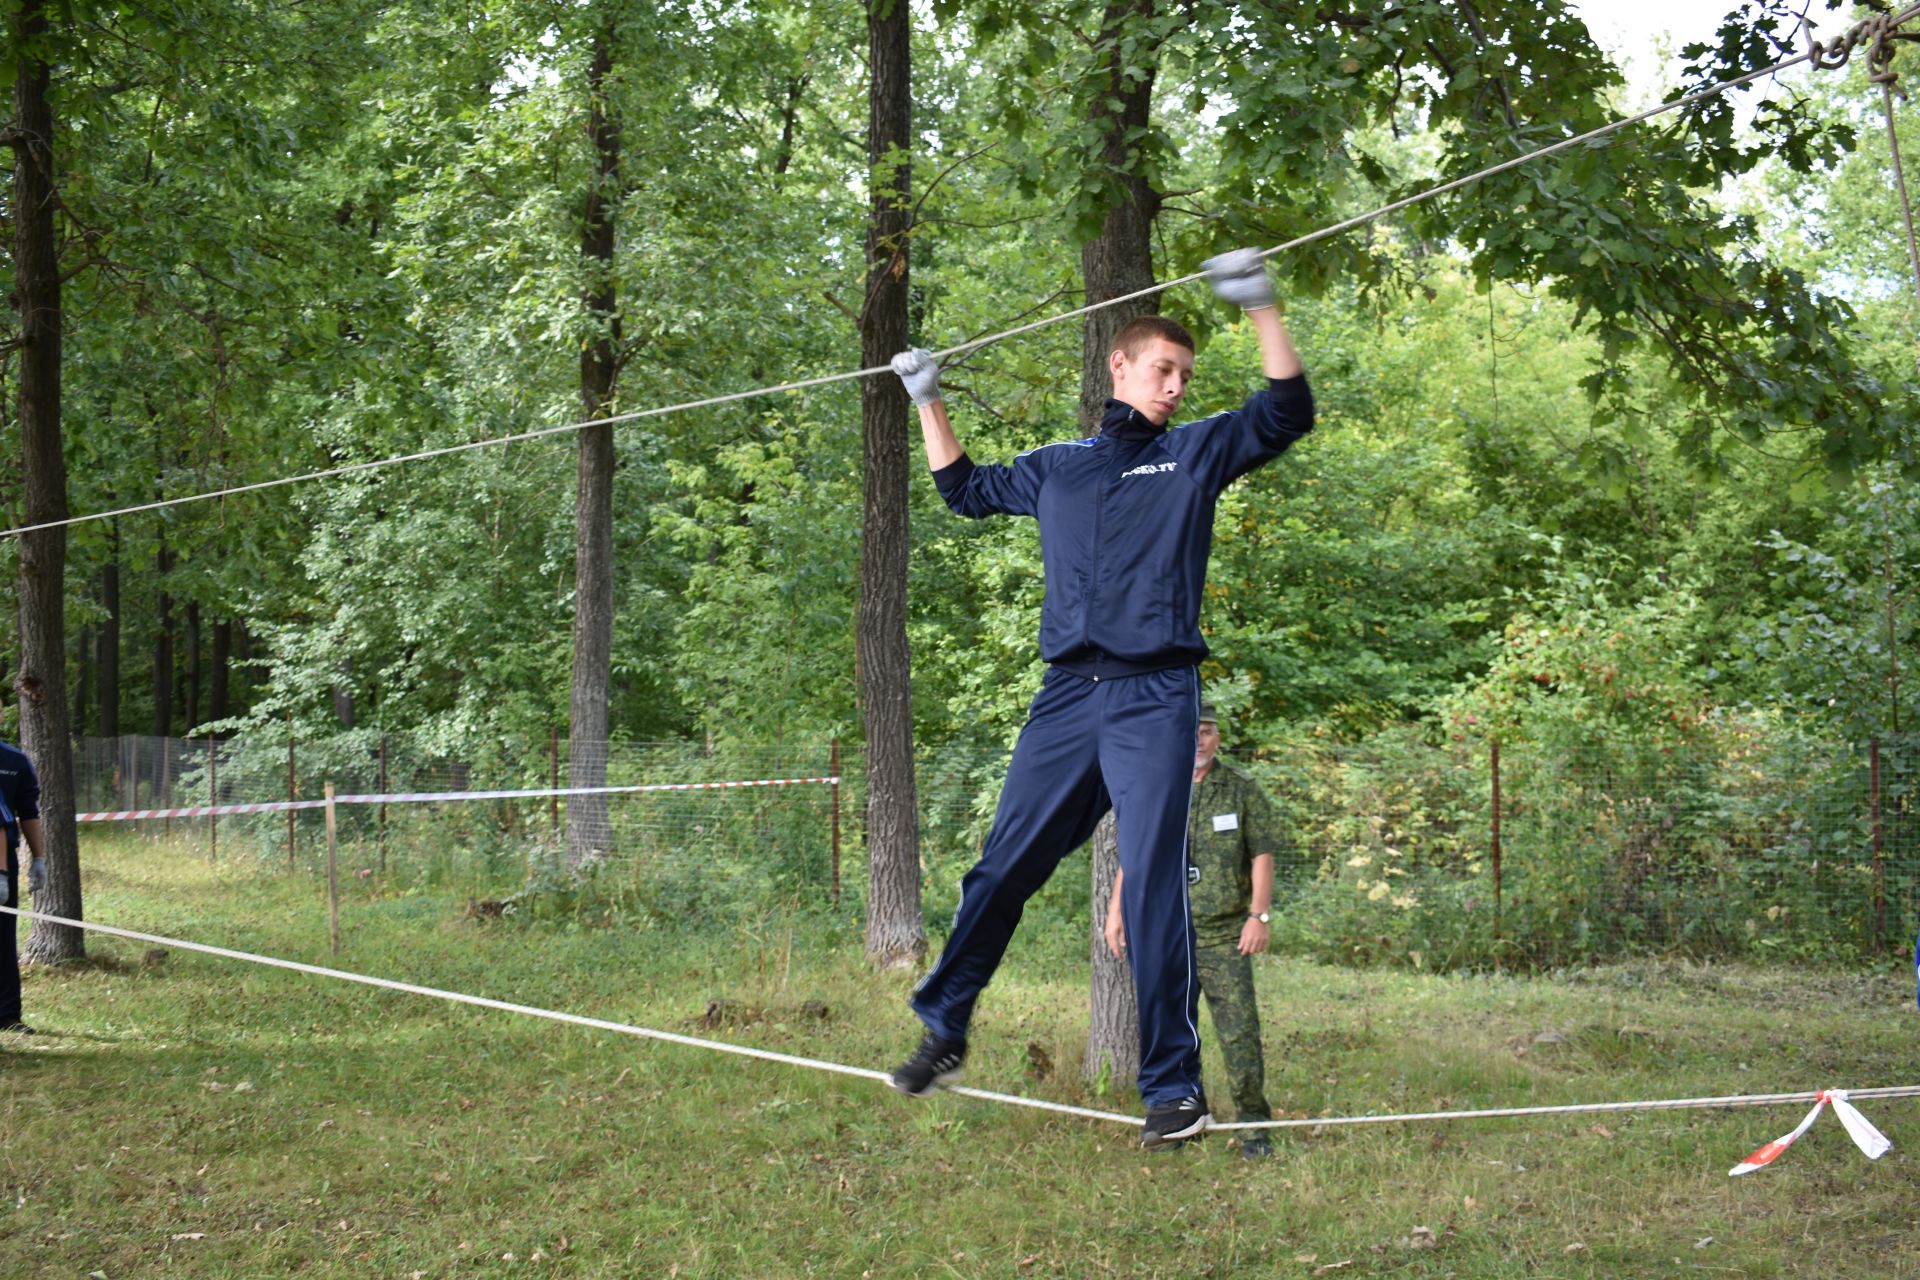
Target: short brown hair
{"type": "Point", "coordinates": [1139, 332]}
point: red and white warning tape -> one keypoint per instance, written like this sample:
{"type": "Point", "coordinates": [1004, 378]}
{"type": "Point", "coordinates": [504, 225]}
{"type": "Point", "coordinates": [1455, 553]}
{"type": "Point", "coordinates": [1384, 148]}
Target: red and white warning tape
{"type": "Point", "coordinates": [424, 797]}
{"type": "Point", "coordinates": [1859, 1128]}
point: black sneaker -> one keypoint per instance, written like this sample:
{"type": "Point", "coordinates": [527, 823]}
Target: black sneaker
{"type": "Point", "coordinates": [1176, 1120]}
{"type": "Point", "coordinates": [1255, 1146]}
{"type": "Point", "coordinates": [934, 1063]}
{"type": "Point", "coordinates": [17, 1028]}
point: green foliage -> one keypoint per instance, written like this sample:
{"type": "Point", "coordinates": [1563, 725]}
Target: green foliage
{"type": "Point", "coordinates": [316, 236]}
{"type": "Point", "coordinates": [1840, 648]}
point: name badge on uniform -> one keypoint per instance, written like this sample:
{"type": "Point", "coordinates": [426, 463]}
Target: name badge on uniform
{"type": "Point", "coordinates": [1226, 822]}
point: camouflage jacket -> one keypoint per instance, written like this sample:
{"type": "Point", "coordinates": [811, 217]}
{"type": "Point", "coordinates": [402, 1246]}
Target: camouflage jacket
{"type": "Point", "coordinates": [1229, 824]}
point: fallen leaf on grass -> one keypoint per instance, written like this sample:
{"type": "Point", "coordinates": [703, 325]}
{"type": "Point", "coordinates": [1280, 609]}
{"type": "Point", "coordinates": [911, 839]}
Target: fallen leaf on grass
{"type": "Point", "coordinates": [1332, 1267]}
{"type": "Point", "coordinates": [201, 1235]}
{"type": "Point", "coordinates": [1028, 1261]}
{"type": "Point", "coordinates": [1603, 1131]}
{"type": "Point", "coordinates": [1575, 1247]}
{"type": "Point", "coordinates": [1703, 1242]}
{"type": "Point", "coordinates": [1306, 1259]}
{"type": "Point", "coordinates": [1423, 1238]}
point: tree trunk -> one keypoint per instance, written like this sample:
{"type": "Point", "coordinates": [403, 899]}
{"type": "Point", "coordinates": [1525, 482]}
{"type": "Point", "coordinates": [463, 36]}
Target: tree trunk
{"type": "Point", "coordinates": [242, 655]}
{"type": "Point", "coordinates": [42, 680]}
{"type": "Point", "coordinates": [81, 689]}
{"type": "Point", "coordinates": [193, 666]}
{"type": "Point", "coordinates": [589, 831]}
{"type": "Point", "coordinates": [1117, 261]}
{"type": "Point", "coordinates": [163, 647]}
{"type": "Point", "coordinates": [896, 934]}
{"type": "Point", "coordinates": [218, 695]}
{"type": "Point", "coordinates": [107, 662]}
{"type": "Point", "coordinates": [1113, 1034]}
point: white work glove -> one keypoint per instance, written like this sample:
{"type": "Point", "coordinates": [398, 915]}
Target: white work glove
{"type": "Point", "coordinates": [37, 876]}
{"type": "Point", "coordinates": [1240, 277]}
{"type": "Point", "coordinates": [921, 373]}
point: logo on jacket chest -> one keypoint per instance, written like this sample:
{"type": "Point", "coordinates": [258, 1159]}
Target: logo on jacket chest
{"type": "Point", "coordinates": [1151, 469]}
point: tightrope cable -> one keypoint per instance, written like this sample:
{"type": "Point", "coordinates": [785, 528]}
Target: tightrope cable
{"type": "Point", "coordinates": [867, 1073]}
{"type": "Point", "coordinates": [1881, 25]}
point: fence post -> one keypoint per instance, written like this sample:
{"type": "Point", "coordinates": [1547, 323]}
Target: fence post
{"type": "Point", "coordinates": [133, 771]}
{"type": "Point", "coordinates": [834, 769]}
{"type": "Point", "coordinates": [1494, 756]}
{"type": "Point", "coordinates": [213, 798]}
{"type": "Point", "coordinates": [293, 789]}
{"type": "Point", "coordinates": [553, 782]}
{"type": "Point", "coordinates": [380, 835]}
{"type": "Point", "coordinates": [166, 784]}
{"type": "Point", "coordinates": [333, 879]}
{"type": "Point", "coordinates": [1879, 863]}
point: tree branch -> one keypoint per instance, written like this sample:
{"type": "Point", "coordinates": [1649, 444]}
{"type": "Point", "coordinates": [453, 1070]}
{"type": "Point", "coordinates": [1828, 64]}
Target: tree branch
{"type": "Point", "coordinates": [913, 215]}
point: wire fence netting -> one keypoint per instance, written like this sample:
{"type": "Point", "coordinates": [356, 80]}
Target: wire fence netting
{"type": "Point", "coordinates": [1393, 852]}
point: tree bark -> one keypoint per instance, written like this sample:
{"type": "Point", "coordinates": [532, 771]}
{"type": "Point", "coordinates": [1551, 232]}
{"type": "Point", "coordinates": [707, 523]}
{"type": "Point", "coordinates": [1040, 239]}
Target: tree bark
{"type": "Point", "coordinates": [1117, 261]}
{"type": "Point", "coordinates": [1113, 1033]}
{"type": "Point", "coordinates": [163, 646]}
{"type": "Point", "coordinates": [218, 696]}
{"type": "Point", "coordinates": [589, 831]}
{"type": "Point", "coordinates": [42, 679]}
{"type": "Point", "coordinates": [81, 690]}
{"type": "Point", "coordinates": [107, 660]}
{"type": "Point", "coordinates": [896, 934]}
{"type": "Point", "coordinates": [193, 666]}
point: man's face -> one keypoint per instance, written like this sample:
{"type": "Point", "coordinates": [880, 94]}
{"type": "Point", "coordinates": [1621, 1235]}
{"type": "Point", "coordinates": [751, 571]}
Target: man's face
{"type": "Point", "coordinates": [1205, 745]}
{"type": "Point", "coordinates": [1155, 380]}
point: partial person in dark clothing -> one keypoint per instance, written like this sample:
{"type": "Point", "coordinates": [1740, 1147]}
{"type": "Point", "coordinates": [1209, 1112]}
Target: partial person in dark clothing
{"type": "Point", "coordinates": [1126, 524]}
{"type": "Point", "coordinates": [20, 811]}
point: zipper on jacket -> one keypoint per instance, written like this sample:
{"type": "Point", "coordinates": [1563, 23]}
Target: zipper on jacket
{"type": "Point", "coordinates": [1093, 576]}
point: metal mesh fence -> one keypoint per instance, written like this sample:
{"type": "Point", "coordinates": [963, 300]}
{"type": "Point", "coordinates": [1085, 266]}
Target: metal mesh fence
{"type": "Point", "coordinates": [1401, 852]}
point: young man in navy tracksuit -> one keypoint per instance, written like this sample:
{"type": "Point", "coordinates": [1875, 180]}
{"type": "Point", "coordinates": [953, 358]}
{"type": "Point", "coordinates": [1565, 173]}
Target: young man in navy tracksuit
{"type": "Point", "coordinates": [1126, 523]}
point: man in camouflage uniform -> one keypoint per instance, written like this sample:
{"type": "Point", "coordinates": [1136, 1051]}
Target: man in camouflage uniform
{"type": "Point", "coordinates": [1232, 838]}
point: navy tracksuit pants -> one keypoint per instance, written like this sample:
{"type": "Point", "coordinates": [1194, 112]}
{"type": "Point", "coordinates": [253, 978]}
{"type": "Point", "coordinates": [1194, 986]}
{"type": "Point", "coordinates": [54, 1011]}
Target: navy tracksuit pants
{"type": "Point", "coordinates": [1124, 743]}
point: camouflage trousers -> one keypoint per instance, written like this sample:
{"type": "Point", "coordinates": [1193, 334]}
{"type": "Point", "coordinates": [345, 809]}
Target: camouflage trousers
{"type": "Point", "coordinates": [1226, 979]}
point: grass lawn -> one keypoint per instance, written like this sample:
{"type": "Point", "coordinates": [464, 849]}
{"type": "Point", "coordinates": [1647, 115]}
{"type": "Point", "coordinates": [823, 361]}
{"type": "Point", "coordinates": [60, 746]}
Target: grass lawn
{"type": "Point", "coordinates": [188, 1115]}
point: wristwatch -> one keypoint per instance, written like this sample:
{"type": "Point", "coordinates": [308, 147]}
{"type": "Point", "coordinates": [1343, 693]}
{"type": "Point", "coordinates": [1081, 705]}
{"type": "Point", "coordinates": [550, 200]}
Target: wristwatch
{"type": "Point", "coordinates": [1261, 916]}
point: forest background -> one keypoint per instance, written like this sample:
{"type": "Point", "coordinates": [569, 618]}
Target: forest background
{"type": "Point", "coordinates": [1614, 459]}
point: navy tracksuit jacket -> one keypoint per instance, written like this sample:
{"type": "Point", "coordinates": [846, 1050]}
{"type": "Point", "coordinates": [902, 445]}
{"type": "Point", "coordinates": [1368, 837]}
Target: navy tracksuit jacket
{"type": "Point", "coordinates": [1126, 524]}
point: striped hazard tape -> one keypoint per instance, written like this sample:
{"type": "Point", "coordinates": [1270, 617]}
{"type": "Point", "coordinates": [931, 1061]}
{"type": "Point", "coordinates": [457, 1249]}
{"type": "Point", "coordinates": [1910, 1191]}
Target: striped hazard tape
{"type": "Point", "coordinates": [1859, 1128]}
{"type": "Point", "coordinates": [425, 797]}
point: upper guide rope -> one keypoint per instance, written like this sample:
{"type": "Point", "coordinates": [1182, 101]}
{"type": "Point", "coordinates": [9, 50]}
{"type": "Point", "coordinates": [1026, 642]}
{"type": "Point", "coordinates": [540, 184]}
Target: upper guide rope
{"type": "Point", "coordinates": [1881, 30]}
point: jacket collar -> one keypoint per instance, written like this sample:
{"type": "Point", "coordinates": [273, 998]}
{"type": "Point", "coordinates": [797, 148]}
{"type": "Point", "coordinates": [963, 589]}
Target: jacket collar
{"type": "Point", "coordinates": [1124, 422]}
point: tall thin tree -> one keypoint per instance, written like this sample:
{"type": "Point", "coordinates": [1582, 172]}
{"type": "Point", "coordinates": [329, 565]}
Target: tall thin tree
{"type": "Point", "coordinates": [589, 830]}
{"type": "Point", "coordinates": [896, 934]}
{"type": "Point", "coordinates": [42, 680]}
{"type": "Point", "coordinates": [1117, 261]}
